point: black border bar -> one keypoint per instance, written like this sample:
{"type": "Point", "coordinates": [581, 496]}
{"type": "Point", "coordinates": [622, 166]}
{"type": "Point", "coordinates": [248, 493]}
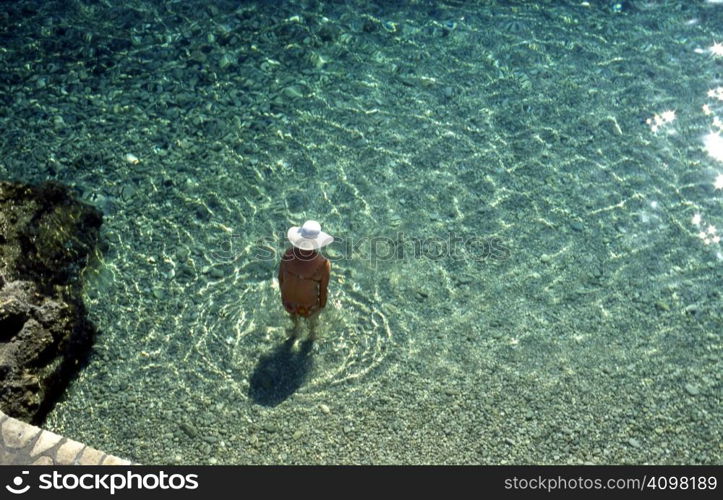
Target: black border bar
{"type": "Point", "coordinates": [180, 482]}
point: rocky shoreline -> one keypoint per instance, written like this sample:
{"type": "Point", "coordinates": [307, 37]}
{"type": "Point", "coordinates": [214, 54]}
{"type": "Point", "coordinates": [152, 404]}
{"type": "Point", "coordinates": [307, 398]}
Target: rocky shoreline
{"type": "Point", "coordinates": [46, 240]}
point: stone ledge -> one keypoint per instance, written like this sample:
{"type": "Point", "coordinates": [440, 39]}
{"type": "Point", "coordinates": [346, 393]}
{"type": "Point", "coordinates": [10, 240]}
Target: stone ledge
{"type": "Point", "coordinates": [25, 444]}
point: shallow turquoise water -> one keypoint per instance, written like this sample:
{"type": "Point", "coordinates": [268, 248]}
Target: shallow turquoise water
{"type": "Point", "coordinates": [526, 200]}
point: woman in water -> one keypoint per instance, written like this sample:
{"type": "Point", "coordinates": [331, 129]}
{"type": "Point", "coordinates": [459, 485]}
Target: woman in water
{"type": "Point", "coordinates": [304, 274]}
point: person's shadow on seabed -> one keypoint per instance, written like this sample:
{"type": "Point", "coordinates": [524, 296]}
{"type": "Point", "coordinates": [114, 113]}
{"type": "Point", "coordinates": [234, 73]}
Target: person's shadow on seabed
{"type": "Point", "coordinates": [279, 374]}
{"type": "Point", "coordinates": [303, 280]}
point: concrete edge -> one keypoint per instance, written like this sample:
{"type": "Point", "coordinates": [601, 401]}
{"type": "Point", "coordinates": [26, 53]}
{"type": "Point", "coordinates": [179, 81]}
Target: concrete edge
{"type": "Point", "coordinates": [25, 444]}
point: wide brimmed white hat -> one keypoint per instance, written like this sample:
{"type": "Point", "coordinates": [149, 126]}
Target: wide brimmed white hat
{"type": "Point", "coordinates": [309, 236]}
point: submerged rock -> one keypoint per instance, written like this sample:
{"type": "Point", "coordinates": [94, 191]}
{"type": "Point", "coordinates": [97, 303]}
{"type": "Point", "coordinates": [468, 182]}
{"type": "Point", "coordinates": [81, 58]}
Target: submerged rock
{"type": "Point", "coordinates": [46, 238]}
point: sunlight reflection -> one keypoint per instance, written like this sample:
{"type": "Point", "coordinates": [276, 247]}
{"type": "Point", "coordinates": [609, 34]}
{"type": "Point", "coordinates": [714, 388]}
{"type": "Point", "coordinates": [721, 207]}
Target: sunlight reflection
{"type": "Point", "coordinates": [712, 144]}
{"type": "Point", "coordinates": [658, 120]}
{"type": "Point", "coordinates": [716, 49]}
{"type": "Point", "coordinates": [718, 184]}
{"type": "Point", "coordinates": [716, 93]}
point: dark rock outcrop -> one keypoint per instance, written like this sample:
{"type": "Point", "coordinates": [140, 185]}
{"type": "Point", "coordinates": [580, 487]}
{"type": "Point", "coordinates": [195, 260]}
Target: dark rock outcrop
{"type": "Point", "coordinates": [46, 239]}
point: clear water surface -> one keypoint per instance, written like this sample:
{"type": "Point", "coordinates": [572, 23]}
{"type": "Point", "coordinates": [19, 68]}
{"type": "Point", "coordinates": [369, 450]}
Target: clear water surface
{"type": "Point", "coordinates": [527, 199]}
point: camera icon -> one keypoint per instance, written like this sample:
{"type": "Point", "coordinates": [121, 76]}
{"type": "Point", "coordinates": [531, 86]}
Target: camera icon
{"type": "Point", "coordinates": [19, 489]}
